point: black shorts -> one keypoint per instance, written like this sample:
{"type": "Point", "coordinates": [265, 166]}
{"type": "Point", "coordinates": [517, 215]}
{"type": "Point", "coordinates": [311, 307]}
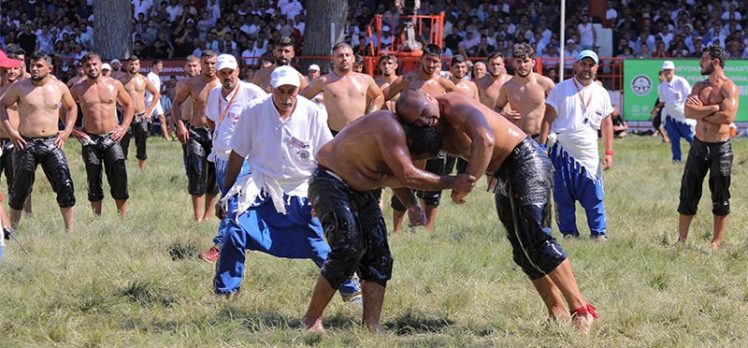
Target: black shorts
{"type": "Point", "coordinates": [55, 165]}
{"type": "Point", "coordinates": [201, 173]}
{"type": "Point", "coordinates": [107, 153]}
{"type": "Point", "coordinates": [522, 195]}
{"type": "Point", "coordinates": [354, 228]}
{"type": "Point", "coordinates": [440, 165]}
{"type": "Point", "coordinates": [139, 131]}
{"type": "Point", "coordinates": [702, 157]}
{"type": "Point", "coordinates": [6, 160]}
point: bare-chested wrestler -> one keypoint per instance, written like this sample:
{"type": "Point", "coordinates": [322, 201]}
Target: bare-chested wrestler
{"type": "Point", "coordinates": [345, 92]}
{"type": "Point", "coordinates": [459, 71]}
{"type": "Point", "coordinates": [283, 53]}
{"type": "Point", "coordinates": [388, 74]}
{"type": "Point", "coordinates": [426, 79]}
{"type": "Point", "coordinates": [197, 136]}
{"type": "Point", "coordinates": [191, 69]}
{"type": "Point", "coordinates": [20, 54]}
{"type": "Point", "coordinates": [713, 103]}
{"type": "Point", "coordinates": [101, 133]}
{"type": "Point", "coordinates": [136, 86]}
{"type": "Point", "coordinates": [490, 84]}
{"type": "Point", "coordinates": [525, 93]}
{"type": "Point", "coordinates": [37, 139]}
{"type": "Point", "coordinates": [521, 176]}
{"type": "Point", "coordinates": [10, 76]}
{"type": "Point", "coordinates": [370, 153]}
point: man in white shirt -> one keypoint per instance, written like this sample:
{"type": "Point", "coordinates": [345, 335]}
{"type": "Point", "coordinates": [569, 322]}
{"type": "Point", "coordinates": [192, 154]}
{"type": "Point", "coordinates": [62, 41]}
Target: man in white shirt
{"type": "Point", "coordinates": [158, 111]}
{"type": "Point", "coordinates": [268, 210]}
{"type": "Point", "coordinates": [586, 32]}
{"type": "Point", "coordinates": [576, 109]}
{"type": "Point", "coordinates": [223, 108]}
{"type": "Point", "coordinates": [673, 93]}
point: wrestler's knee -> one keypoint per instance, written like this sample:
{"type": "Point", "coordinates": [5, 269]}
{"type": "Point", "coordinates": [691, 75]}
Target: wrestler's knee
{"type": "Point", "coordinates": [346, 244]}
{"type": "Point", "coordinates": [396, 205]}
{"type": "Point", "coordinates": [430, 198]}
{"type": "Point", "coordinates": [721, 208]}
{"type": "Point", "coordinates": [688, 207]}
{"type": "Point", "coordinates": [540, 259]}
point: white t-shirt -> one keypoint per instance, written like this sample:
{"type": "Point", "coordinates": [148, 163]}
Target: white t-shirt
{"type": "Point", "coordinates": [674, 94]}
{"type": "Point", "coordinates": [586, 34]}
{"type": "Point", "coordinates": [283, 151]}
{"type": "Point", "coordinates": [156, 82]}
{"type": "Point", "coordinates": [217, 104]}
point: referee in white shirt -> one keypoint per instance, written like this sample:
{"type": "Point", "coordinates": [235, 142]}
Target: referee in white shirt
{"type": "Point", "coordinates": [673, 93]}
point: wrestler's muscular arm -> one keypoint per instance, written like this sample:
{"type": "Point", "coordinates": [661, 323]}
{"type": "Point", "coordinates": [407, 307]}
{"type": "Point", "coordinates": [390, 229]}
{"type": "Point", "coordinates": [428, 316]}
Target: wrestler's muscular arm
{"type": "Point", "coordinates": [184, 91]}
{"type": "Point", "coordinates": [501, 101]}
{"type": "Point", "coordinates": [397, 86]}
{"type": "Point", "coordinates": [10, 97]}
{"type": "Point", "coordinates": [316, 87]}
{"type": "Point", "coordinates": [374, 93]}
{"type": "Point", "coordinates": [156, 97]}
{"type": "Point", "coordinates": [728, 108]}
{"type": "Point", "coordinates": [545, 127]}
{"type": "Point", "coordinates": [123, 98]}
{"type": "Point", "coordinates": [695, 108]}
{"type": "Point", "coordinates": [71, 113]}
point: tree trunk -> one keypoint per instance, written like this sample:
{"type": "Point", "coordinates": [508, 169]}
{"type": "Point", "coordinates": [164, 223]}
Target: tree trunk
{"type": "Point", "coordinates": [320, 17]}
{"type": "Point", "coordinates": [112, 28]}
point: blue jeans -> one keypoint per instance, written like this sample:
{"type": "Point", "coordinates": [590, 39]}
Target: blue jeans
{"type": "Point", "coordinates": [675, 130]}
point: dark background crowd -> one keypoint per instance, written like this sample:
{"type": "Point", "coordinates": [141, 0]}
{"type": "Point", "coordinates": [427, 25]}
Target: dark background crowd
{"type": "Point", "coordinates": [474, 28]}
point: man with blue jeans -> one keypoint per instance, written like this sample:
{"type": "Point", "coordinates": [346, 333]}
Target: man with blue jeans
{"type": "Point", "coordinates": [223, 108]}
{"type": "Point", "coordinates": [268, 209]}
{"type": "Point", "coordinates": [672, 93]}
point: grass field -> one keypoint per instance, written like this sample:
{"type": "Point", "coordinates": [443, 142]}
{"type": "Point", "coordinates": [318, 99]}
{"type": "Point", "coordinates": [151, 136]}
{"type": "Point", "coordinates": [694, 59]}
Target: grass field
{"type": "Point", "coordinates": [137, 281]}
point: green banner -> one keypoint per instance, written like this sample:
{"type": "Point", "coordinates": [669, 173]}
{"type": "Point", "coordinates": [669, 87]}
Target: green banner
{"type": "Point", "coordinates": [640, 84]}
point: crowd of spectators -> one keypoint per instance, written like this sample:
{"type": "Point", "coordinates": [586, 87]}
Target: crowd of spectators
{"type": "Point", "coordinates": [167, 29]}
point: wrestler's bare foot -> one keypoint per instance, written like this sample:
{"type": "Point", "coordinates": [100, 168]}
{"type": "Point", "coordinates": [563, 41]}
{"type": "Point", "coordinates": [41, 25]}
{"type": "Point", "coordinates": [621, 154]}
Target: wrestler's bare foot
{"type": "Point", "coordinates": [680, 243]}
{"type": "Point", "coordinates": [141, 165]}
{"type": "Point", "coordinates": [314, 326]}
{"type": "Point", "coordinates": [583, 317]}
{"type": "Point", "coordinates": [715, 246]}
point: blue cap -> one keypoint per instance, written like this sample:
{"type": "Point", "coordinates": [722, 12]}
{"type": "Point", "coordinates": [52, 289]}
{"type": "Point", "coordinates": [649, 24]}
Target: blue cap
{"type": "Point", "coordinates": [588, 53]}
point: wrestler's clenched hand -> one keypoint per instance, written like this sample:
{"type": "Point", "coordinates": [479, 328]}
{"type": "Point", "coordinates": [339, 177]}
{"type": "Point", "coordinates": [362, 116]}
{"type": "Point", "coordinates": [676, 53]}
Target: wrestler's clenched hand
{"type": "Point", "coordinates": [458, 197]}
{"type": "Point", "coordinates": [416, 216]}
{"type": "Point", "coordinates": [464, 182]}
{"type": "Point", "coordinates": [62, 137]}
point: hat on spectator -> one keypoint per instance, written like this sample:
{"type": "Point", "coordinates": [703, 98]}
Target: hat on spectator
{"type": "Point", "coordinates": [668, 65]}
{"type": "Point", "coordinates": [284, 75]}
{"type": "Point", "coordinates": [226, 61]}
{"type": "Point", "coordinates": [696, 37]}
{"type": "Point", "coordinates": [106, 66]}
{"type": "Point", "coordinates": [314, 67]}
{"type": "Point", "coordinates": [588, 54]}
{"type": "Point", "coordinates": [116, 61]}
{"type": "Point", "coordinates": [7, 63]}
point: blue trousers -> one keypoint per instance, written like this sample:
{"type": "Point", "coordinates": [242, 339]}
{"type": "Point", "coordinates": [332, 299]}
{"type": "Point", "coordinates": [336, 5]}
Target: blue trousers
{"type": "Point", "coordinates": [295, 235]}
{"type": "Point", "coordinates": [571, 183]}
{"type": "Point", "coordinates": [221, 166]}
{"type": "Point", "coordinates": [676, 130]}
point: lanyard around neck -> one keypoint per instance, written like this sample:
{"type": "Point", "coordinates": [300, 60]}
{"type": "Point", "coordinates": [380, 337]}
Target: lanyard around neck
{"type": "Point", "coordinates": [581, 99]}
{"type": "Point", "coordinates": [222, 115]}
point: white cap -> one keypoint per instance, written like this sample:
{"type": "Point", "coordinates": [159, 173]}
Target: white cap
{"type": "Point", "coordinates": [106, 66]}
{"type": "Point", "coordinates": [314, 67]}
{"type": "Point", "coordinates": [226, 61]}
{"type": "Point", "coordinates": [588, 54]}
{"type": "Point", "coordinates": [116, 61]}
{"type": "Point", "coordinates": [668, 65]}
{"type": "Point", "coordinates": [285, 75]}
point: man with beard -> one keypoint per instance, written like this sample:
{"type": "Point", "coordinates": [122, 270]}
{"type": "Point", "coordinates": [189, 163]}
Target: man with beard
{"type": "Point", "coordinates": [489, 85]}
{"type": "Point", "coordinates": [136, 86]}
{"type": "Point", "coordinates": [388, 75]}
{"type": "Point", "coordinates": [373, 152]}
{"type": "Point", "coordinates": [520, 176]}
{"type": "Point", "coordinates": [345, 92]}
{"type": "Point", "coordinates": [117, 72]}
{"type": "Point", "coordinates": [79, 76]}
{"type": "Point", "coordinates": [10, 75]}
{"type": "Point", "coordinates": [576, 109]}
{"type": "Point", "coordinates": [425, 79]}
{"type": "Point", "coordinates": [224, 108]}
{"type": "Point", "coordinates": [268, 209]}
{"type": "Point", "coordinates": [196, 136]}
{"type": "Point", "coordinates": [713, 103]}
{"type": "Point", "coordinates": [479, 70]}
{"type": "Point", "coordinates": [459, 70]}
{"type": "Point", "coordinates": [525, 92]}
{"type": "Point", "coordinates": [37, 139]}
{"type": "Point", "coordinates": [283, 53]}
{"type": "Point", "coordinates": [97, 97]}
{"type": "Point", "coordinates": [191, 69]}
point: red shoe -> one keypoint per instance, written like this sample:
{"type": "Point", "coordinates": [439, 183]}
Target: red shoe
{"type": "Point", "coordinates": [211, 255]}
{"type": "Point", "coordinates": [583, 317]}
